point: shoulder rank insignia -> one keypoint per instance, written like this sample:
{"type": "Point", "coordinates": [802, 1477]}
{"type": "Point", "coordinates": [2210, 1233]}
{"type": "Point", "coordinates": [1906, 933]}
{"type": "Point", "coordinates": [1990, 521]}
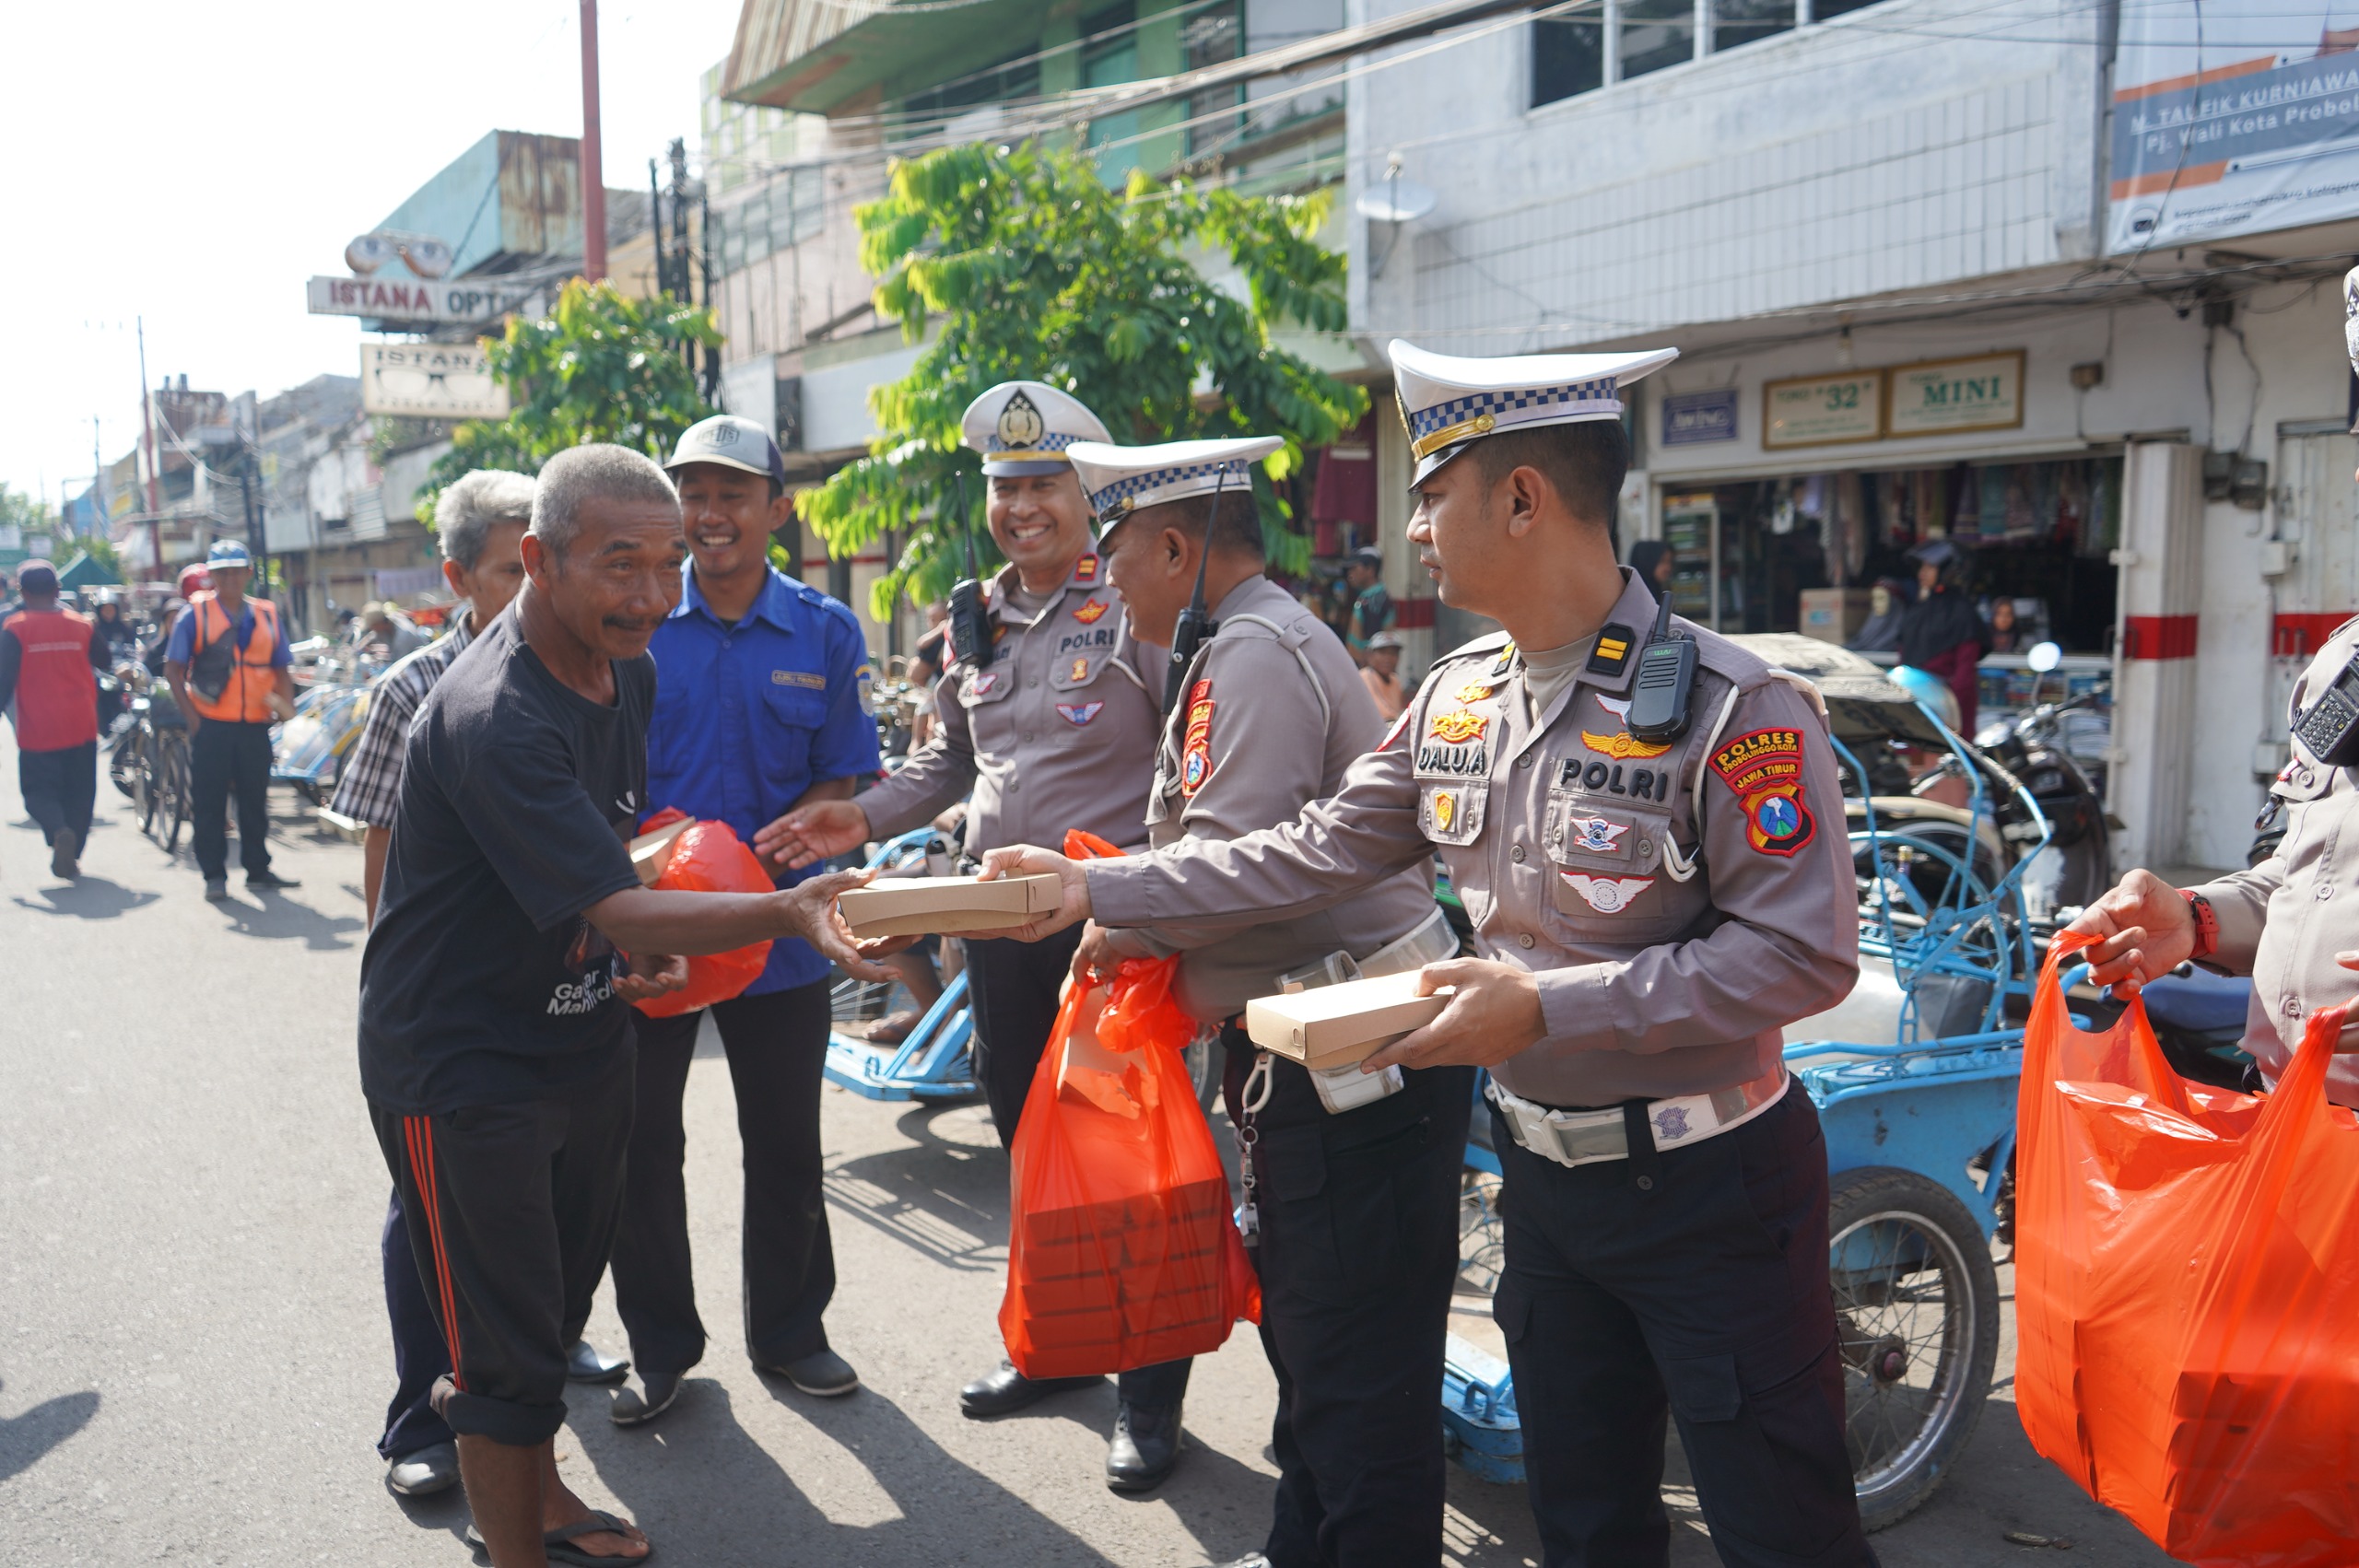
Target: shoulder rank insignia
{"type": "Point", "coordinates": [1085, 570]}
{"type": "Point", "coordinates": [1503, 664]}
{"type": "Point", "coordinates": [1763, 769]}
{"type": "Point", "coordinates": [1612, 653]}
{"type": "Point", "coordinates": [1088, 614]}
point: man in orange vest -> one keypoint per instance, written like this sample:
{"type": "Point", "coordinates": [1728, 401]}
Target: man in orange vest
{"type": "Point", "coordinates": [45, 662]}
{"type": "Point", "coordinates": [229, 666]}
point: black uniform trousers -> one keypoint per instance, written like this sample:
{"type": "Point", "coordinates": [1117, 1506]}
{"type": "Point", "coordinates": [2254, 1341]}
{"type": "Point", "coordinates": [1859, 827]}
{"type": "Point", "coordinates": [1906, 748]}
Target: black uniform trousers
{"type": "Point", "coordinates": [1358, 1254]}
{"type": "Point", "coordinates": [60, 789]}
{"type": "Point", "coordinates": [1690, 1282]}
{"type": "Point", "coordinates": [777, 1045]}
{"type": "Point", "coordinates": [1012, 992]}
{"type": "Point", "coordinates": [420, 1358]}
{"type": "Point", "coordinates": [224, 756]}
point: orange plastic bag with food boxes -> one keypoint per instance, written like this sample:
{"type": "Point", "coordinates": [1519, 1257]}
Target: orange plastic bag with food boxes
{"type": "Point", "coordinates": [1123, 1252]}
{"type": "Point", "coordinates": [2187, 1290]}
{"type": "Point", "coordinates": [708, 857]}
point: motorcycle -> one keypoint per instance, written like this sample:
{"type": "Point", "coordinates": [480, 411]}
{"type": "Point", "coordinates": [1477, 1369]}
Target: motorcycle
{"type": "Point", "coordinates": [2046, 747]}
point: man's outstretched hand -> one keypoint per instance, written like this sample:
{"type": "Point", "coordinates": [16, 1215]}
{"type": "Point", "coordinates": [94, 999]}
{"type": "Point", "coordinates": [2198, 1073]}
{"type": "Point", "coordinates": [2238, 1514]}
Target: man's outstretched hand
{"type": "Point", "coordinates": [652, 975]}
{"type": "Point", "coordinates": [2145, 930]}
{"type": "Point", "coordinates": [1493, 1013]}
{"type": "Point", "coordinates": [820, 923]}
{"type": "Point", "coordinates": [1024, 860]}
{"type": "Point", "coordinates": [810, 834]}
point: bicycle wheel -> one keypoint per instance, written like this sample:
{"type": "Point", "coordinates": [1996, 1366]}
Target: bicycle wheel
{"type": "Point", "coordinates": [174, 789]}
{"type": "Point", "coordinates": [143, 783]}
{"type": "Point", "coordinates": [1916, 1307]}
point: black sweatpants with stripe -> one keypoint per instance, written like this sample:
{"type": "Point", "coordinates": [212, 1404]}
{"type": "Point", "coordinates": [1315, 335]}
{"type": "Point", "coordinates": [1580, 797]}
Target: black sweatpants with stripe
{"type": "Point", "coordinates": [512, 1216]}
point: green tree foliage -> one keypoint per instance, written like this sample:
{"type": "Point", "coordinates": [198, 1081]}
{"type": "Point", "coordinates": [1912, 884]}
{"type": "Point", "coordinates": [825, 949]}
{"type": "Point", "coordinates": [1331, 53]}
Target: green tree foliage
{"type": "Point", "coordinates": [20, 509]}
{"type": "Point", "coordinates": [1037, 271]}
{"type": "Point", "coordinates": [601, 366]}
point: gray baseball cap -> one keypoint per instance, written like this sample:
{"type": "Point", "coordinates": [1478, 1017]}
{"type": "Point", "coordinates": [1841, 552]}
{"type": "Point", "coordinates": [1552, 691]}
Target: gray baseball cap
{"type": "Point", "coordinates": [732, 442]}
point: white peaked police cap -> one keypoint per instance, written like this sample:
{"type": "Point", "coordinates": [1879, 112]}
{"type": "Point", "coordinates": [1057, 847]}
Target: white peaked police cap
{"type": "Point", "coordinates": [1447, 402]}
{"type": "Point", "coordinates": [1025, 427]}
{"type": "Point", "coordinates": [1120, 480]}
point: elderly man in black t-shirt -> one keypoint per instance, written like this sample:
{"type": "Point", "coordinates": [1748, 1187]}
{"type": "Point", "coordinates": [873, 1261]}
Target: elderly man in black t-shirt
{"type": "Point", "coordinates": [495, 1038]}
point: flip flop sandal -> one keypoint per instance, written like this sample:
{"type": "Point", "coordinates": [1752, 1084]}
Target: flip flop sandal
{"type": "Point", "coordinates": [557, 1544]}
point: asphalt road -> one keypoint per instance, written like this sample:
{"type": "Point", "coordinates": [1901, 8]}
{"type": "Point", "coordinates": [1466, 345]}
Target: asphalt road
{"type": "Point", "coordinates": [193, 1361]}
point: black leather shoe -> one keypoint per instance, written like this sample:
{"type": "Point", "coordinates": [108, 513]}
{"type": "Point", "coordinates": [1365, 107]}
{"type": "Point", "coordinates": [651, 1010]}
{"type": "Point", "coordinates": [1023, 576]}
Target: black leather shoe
{"type": "Point", "coordinates": [1005, 1391]}
{"type": "Point", "coordinates": [1145, 1447]}
{"type": "Point", "coordinates": [637, 1407]}
{"type": "Point", "coordinates": [256, 881]}
{"type": "Point", "coordinates": [586, 1363]}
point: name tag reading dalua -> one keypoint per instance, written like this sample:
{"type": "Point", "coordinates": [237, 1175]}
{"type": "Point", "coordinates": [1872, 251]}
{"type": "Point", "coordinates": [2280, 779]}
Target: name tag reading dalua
{"type": "Point", "coordinates": [948, 905]}
{"type": "Point", "coordinates": [1337, 1025]}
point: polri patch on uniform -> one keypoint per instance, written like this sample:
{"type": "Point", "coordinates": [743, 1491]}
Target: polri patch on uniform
{"type": "Point", "coordinates": [1613, 651]}
{"type": "Point", "coordinates": [1088, 614]}
{"type": "Point", "coordinates": [1607, 895]}
{"type": "Point", "coordinates": [1079, 713]}
{"type": "Point", "coordinates": [802, 678]}
{"type": "Point", "coordinates": [1763, 769]}
{"type": "Point", "coordinates": [1196, 748]}
{"type": "Point", "coordinates": [1597, 835]}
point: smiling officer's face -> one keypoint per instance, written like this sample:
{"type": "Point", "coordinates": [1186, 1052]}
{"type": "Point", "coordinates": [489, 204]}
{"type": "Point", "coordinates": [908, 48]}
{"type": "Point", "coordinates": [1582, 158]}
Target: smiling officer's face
{"type": "Point", "coordinates": [1041, 522]}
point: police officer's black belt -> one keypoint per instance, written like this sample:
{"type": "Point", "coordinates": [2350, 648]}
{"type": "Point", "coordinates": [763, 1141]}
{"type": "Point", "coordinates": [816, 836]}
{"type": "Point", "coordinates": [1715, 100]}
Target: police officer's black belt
{"type": "Point", "coordinates": [1585, 1138]}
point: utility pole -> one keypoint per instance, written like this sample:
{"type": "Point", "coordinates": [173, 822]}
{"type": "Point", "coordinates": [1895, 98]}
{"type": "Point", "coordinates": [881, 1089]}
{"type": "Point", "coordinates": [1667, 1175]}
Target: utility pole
{"type": "Point", "coordinates": [148, 424]}
{"type": "Point", "coordinates": [593, 168]}
{"type": "Point", "coordinates": [101, 512]}
{"type": "Point", "coordinates": [655, 226]}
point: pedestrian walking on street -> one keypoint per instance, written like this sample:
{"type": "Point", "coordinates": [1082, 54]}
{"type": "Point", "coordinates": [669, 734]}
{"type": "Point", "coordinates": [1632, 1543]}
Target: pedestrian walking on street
{"type": "Point", "coordinates": [231, 674]}
{"type": "Point", "coordinates": [1656, 891]}
{"type": "Point", "coordinates": [1052, 725]}
{"type": "Point", "coordinates": [47, 661]}
{"type": "Point", "coordinates": [480, 523]}
{"type": "Point", "coordinates": [760, 706]}
{"type": "Point", "coordinates": [512, 933]}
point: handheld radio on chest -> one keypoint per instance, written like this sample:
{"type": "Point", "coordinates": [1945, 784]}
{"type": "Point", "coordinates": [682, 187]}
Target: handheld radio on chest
{"type": "Point", "coordinates": [1666, 676]}
{"type": "Point", "coordinates": [2330, 727]}
{"type": "Point", "coordinates": [1195, 627]}
{"type": "Point", "coordinates": [970, 617]}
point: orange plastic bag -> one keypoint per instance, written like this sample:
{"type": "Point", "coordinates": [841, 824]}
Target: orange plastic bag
{"type": "Point", "coordinates": [2187, 1290]}
{"type": "Point", "coordinates": [1123, 1252]}
{"type": "Point", "coordinates": [709, 857]}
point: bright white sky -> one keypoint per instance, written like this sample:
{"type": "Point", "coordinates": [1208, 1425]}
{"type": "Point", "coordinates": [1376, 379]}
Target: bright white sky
{"type": "Point", "coordinates": [195, 164]}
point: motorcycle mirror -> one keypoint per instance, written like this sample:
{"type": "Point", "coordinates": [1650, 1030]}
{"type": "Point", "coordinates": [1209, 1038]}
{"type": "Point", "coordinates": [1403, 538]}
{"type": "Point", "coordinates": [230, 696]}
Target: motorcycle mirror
{"type": "Point", "coordinates": [2044, 658]}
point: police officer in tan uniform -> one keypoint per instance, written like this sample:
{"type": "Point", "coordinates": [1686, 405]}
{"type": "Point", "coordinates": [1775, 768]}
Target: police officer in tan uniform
{"type": "Point", "coordinates": [1352, 1208]}
{"type": "Point", "coordinates": [1651, 912]}
{"type": "Point", "coordinates": [2290, 922]}
{"type": "Point", "coordinates": [1057, 732]}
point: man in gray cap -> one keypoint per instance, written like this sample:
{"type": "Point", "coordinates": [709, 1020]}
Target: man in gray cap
{"type": "Point", "coordinates": [229, 666]}
{"type": "Point", "coordinates": [761, 686]}
{"type": "Point", "coordinates": [1352, 1187]}
{"type": "Point", "coordinates": [1053, 726]}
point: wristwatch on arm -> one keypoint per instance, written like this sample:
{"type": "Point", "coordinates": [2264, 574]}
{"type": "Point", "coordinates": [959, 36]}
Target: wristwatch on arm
{"type": "Point", "coordinates": [2207, 923]}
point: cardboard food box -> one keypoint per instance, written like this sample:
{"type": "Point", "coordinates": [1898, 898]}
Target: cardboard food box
{"type": "Point", "coordinates": [1339, 1025]}
{"type": "Point", "coordinates": [949, 905]}
{"type": "Point", "coordinates": [651, 852]}
{"type": "Point", "coordinates": [1834, 615]}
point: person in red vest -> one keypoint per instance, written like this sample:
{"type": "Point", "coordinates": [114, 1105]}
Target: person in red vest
{"type": "Point", "coordinates": [46, 658]}
{"type": "Point", "coordinates": [230, 671]}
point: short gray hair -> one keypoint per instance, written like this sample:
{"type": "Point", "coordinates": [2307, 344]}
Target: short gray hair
{"type": "Point", "coordinates": [464, 513]}
{"type": "Point", "coordinates": [598, 471]}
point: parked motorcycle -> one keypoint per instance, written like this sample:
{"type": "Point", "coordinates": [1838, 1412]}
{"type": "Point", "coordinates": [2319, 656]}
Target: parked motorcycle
{"type": "Point", "coordinates": [2036, 746]}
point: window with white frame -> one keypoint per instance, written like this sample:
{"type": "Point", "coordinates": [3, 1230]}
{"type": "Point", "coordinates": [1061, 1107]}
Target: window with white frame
{"type": "Point", "coordinates": [1613, 40]}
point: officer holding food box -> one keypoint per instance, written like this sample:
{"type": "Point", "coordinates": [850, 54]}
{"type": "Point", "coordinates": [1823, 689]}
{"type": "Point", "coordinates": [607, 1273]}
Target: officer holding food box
{"type": "Point", "coordinates": [1351, 1201]}
{"type": "Point", "coordinates": [1644, 823]}
{"type": "Point", "coordinates": [1053, 728]}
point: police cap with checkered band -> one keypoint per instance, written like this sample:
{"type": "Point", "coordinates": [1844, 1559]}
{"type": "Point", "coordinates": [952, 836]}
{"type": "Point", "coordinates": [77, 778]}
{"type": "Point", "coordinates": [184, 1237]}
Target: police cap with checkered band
{"type": "Point", "coordinates": [1448, 402]}
{"type": "Point", "coordinates": [1025, 427]}
{"type": "Point", "coordinates": [1122, 480]}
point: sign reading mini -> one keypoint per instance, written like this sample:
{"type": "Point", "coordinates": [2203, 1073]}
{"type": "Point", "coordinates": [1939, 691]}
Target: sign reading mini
{"type": "Point", "coordinates": [1941, 396]}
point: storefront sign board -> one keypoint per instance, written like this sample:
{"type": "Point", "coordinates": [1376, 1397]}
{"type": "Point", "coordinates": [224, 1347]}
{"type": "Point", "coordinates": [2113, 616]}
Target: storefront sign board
{"type": "Point", "coordinates": [1823, 411]}
{"type": "Point", "coordinates": [429, 380]}
{"type": "Point", "coordinates": [1942, 396]}
{"type": "Point", "coordinates": [1693, 418]}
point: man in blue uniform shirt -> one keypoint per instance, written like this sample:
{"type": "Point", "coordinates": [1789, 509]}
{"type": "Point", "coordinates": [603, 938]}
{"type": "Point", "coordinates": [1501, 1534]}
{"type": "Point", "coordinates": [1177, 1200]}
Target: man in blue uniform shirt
{"type": "Point", "coordinates": [759, 708]}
